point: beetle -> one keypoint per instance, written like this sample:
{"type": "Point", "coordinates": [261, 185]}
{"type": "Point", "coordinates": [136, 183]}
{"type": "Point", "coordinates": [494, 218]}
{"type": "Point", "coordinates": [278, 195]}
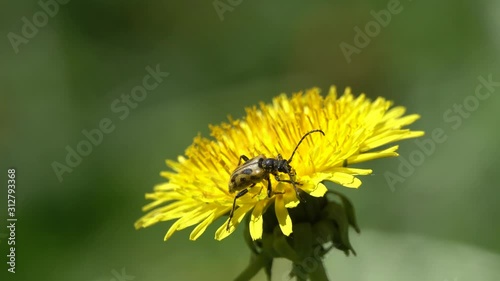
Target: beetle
{"type": "Point", "coordinates": [259, 168]}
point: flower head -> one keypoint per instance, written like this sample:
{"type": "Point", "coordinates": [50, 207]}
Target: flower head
{"type": "Point", "coordinates": [355, 129]}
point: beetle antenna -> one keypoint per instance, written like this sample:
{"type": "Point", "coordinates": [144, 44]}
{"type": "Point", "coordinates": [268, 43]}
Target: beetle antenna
{"type": "Point", "coordinates": [303, 137]}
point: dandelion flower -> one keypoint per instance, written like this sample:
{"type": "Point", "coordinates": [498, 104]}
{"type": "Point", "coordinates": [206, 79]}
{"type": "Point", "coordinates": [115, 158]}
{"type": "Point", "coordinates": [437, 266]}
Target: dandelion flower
{"type": "Point", "coordinates": [356, 130]}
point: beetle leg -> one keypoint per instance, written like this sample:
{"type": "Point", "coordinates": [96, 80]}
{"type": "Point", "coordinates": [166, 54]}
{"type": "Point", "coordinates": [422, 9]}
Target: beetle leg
{"type": "Point", "coordinates": [296, 190]}
{"type": "Point", "coordinates": [241, 193]}
{"type": "Point", "coordinates": [295, 187]}
{"type": "Point", "coordinates": [277, 177]}
{"type": "Point", "coordinates": [269, 187]}
{"type": "Point", "coordinates": [291, 173]}
{"type": "Point", "coordinates": [290, 181]}
{"type": "Point", "coordinates": [293, 182]}
{"type": "Point", "coordinates": [244, 159]}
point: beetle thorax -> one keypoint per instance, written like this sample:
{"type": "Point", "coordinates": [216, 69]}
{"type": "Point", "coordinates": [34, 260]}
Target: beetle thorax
{"type": "Point", "coordinates": [268, 164]}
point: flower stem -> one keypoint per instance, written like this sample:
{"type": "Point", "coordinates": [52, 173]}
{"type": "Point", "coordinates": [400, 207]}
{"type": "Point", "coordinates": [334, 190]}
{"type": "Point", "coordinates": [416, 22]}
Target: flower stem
{"type": "Point", "coordinates": [256, 264]}
{"type": "Point", "coordinates": [316, 273]}
{"type": "Point", "coordinates": [298, 272]}
{"type": "Point", "coordinates": [319, 274]}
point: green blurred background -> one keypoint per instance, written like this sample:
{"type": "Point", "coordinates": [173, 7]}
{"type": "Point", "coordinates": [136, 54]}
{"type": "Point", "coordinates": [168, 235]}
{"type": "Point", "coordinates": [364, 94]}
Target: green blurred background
{"type": "Point", "coordinates": [440, 224]}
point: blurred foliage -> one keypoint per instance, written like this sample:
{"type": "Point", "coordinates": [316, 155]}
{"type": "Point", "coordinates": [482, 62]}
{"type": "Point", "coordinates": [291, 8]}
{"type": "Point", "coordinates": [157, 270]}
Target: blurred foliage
{"type": "Point", "coordinates": [66, 77]}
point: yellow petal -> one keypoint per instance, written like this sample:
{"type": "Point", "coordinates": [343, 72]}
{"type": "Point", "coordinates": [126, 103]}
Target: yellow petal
{"type": "Point", "coordinates": [404, 121]}
{"type": "Point", "coordinates": [195, 217]}
{"type": "Point", "coordinates": [367, 156]}
{"type": "Point", "coordinates": [238, 216]}
{"type": "Point", "coordinates": [290, 197]}
{"type": "Point", "coordinates": [282, 215]}
{"type": "Point", "coordinates": [180, 210]}
{"type": "Point", "coordinates": [345, 180]}
{"type": "Point", "coordinates": [354, 171]}
{"type": "Point", "coordinates": [394, 113]}
{"type": "Point", "coordinates": [256, 221]}
{"type": "Point", "coordinates": [319, 191]}
{"type": "Point", "coordinates": [390, 136]}
{"type": "Point", "coordinates": [171, 230]}
{"type": "Point", "coordinates": [200, 229]}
